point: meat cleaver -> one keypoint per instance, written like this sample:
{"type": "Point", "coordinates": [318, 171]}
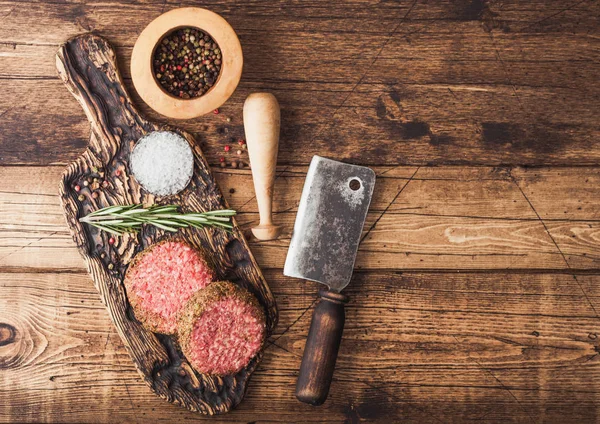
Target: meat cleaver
{"type": "Point", "coordinates": [331, 216]}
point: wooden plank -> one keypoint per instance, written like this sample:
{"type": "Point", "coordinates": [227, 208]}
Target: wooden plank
{"type": "Point", "coordinates": [420, 95]}
{"type": "Point", "coordinates": [442, 218]}
{"type": "Point", "coordinates": [560, 193]}
{"type": "Point", "coordinates": [122, 21]}
{"type": "Point", "coordinates": [507, 346]}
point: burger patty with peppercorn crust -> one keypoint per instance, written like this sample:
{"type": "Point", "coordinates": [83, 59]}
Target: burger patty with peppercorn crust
{"type": "Point", "coordinates": [161, 279]}
{"type": "Point", "coordinates": [221, 329]}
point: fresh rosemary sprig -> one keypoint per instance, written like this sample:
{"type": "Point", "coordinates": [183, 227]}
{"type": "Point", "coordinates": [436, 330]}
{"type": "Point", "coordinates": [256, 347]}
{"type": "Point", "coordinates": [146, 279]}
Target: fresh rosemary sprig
{"type": "Point", "coordinates": [129, 219]}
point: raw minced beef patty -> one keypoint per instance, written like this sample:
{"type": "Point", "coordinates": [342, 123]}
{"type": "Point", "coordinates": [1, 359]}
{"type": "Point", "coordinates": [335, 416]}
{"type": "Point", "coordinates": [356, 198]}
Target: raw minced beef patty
{"type": "Point", "coordinates": [221, 329]}
{"type": "Point", "coordinates": [161, 279]}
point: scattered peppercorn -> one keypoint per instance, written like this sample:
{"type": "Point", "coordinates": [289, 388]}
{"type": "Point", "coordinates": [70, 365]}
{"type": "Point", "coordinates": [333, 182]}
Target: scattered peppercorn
{"type": "Point", "coordinates": [227, 148]}
{"type": "Point", "coordinates": [234, 164]}
{"type": "Point", "coordinates": [104, 184]}
{"type": "Point", "coordinates": [228, 119]}
{"type": "Point", "coordinates": [216, 111]}
{"type": "Point", "coordinates": [232, 190]}
{"type": "Point", "coordinates": [111, 266]}
{"type": "Point", "coordinates": [118, 172]}
{"type": "Point", "coordinates": [81, 197]}
{"type": "Point", "coordinates": [86, 183]}
{"type": "Point", "coordinates": [223, 164]}
{"type": "Point", "coordinates": [103, 255]}
{"type": "Point", "coordinates": [239, 152]}
{"type": "Point", "coordinates": [95, 195]}
{"type": "Point", "coordinates": [111, 240]}
{"type": "Point", "coordinates": [77, 188]}
{"type": "Point", "coordinates": [221, 159]}
{"type": "Point", "coordinates": [187, 63]}
{"type": "Point", "coordinates": [241, 142]}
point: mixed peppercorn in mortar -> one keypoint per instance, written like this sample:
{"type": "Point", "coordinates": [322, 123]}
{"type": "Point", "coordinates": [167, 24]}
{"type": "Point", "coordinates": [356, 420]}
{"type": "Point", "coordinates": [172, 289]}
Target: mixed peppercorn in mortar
{"type": "Point", "coordinates": [187, 63]}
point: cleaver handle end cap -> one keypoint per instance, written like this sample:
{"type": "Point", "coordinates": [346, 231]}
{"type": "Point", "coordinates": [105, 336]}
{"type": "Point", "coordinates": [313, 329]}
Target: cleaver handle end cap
{"type": "Point", "coordinates": [321, 350]}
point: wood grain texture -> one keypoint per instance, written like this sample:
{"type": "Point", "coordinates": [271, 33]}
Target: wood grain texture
{"type": "Point", "coordinates": [439, 82]}
{"type": "Point", "coordinates": [87, 66]}
{"type": "Point", "coordinates": [420, 347]}
{"type": "Point", "coordinates": [442, 218]}
{"type": "Point", "coordinates": [478, 293]}
{"type": "Point", "coordinates": [534, 330]}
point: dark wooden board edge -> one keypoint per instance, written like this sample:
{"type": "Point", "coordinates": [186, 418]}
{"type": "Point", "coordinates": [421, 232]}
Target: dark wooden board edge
{"type": "Point", "coordinates": [87, 65]}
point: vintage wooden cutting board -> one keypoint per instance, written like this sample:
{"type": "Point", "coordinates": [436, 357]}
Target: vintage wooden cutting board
{"type": "Point", "coordinates": [87, 65]}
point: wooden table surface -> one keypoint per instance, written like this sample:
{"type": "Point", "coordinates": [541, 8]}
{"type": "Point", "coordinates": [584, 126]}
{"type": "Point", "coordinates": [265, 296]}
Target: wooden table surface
{"type": "Point", "coordinates": [477, 286]}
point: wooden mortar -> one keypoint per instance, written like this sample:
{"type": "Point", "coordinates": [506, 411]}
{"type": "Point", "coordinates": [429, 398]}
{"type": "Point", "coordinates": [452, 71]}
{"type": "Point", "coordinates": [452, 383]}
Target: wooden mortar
{"type": "Point", "coordinates": [231, 63]}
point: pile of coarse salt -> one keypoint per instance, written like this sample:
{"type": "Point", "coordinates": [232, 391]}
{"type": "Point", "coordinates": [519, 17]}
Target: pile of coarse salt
{"type": "Point", "coordinates": [162, 162]}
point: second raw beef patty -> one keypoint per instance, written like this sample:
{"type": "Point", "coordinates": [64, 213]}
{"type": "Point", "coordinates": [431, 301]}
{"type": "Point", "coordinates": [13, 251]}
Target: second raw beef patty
{"type": "Point", "coordinates": [221, 329]}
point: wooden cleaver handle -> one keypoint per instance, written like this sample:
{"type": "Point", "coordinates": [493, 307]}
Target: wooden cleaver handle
{"type": "Point", "coordinates": [321, 348]}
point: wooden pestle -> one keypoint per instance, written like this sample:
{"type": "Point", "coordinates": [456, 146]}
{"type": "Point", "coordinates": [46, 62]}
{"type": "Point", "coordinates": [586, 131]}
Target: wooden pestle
{"type": "Point", "coordinates": [261, 125]}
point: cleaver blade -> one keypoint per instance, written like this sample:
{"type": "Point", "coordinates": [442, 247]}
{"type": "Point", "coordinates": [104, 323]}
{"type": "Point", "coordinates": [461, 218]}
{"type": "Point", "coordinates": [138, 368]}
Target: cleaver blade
{"type": "Point", "coordinates": [329, 223]}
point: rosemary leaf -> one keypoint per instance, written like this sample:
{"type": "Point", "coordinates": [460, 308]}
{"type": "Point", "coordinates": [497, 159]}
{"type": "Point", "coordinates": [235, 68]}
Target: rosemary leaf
{"type": "Point", "coordinates": [161, 209]}
{"type": "Point", "coordinates": [222, 224]}
{"type": "Point", "coordinates": [170, 222]}
{"type": "Point", "coordinates": [224, 212]}
{"type": "Point", "coordinates": [134, 211]}
{"type": "Point", "coordinates": [106, 211]}
{"type": "Point", "coordinates": [194, 219]}
{"type": "Point", "coordinates": [108, 221]}
{"type": "Point", "coordinates": [108, 229]}
{"type": "Point", "coordinates": [195, 225]}
{"type": "Point", "coordinates": [164, 227]}
{"type": "Point", "coordinates": [219, 218]}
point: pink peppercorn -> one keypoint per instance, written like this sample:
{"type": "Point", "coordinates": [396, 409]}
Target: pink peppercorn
{"type": "Point", "coordinates": [216, 111]}
{"type": "Point", "coordinates": [241, 142]}
{"type": "Point", "coordinates": [111, 240]}
{"type": "Point", "coordinates": [221, 159]}
{"type": "Point", "coordinates": [118, 172]}
{"type": "Point", "coordinates": [227, 148]}
{"type": "Point", "coordinates": [77, 188]}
